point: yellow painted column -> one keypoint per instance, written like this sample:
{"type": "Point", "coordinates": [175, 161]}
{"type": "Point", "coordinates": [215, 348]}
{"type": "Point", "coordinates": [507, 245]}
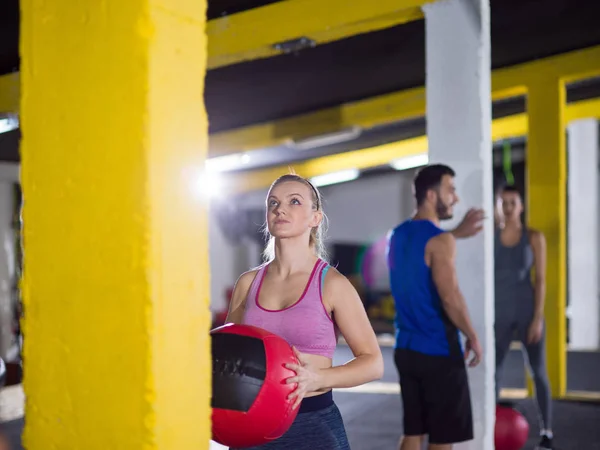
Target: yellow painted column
{"type": "Point", "coordinates": [546, 211]}
{"type": "Point", "coordinates": [116, 280]}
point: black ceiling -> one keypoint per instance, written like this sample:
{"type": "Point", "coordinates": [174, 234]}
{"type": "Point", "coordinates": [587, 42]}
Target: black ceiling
{"type": "Point", "coordinates": [9, 25]}
{"type": "Point", "coordinates": [386, 61]}
{"type": "Point", "coordinates": [360, 66]}
{"type": "Point", "coordinates": [9, 36]}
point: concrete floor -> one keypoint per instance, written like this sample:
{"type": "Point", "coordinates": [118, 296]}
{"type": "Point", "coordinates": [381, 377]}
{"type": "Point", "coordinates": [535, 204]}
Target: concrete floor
{"type": "Point", "coordinates": [373, 418]}
{"type": "Point", "coordinates": [373, 413]}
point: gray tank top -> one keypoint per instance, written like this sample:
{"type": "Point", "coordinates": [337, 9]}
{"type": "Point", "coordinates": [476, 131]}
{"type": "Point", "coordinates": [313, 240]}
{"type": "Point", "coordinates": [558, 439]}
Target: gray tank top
{"type": "Point", "coordinates": [513, 287]}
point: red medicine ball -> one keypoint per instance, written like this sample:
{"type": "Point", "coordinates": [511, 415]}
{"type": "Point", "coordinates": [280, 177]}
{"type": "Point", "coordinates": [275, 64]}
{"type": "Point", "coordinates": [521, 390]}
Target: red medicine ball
{"type": "Point", "coordinates": [249, 393]}
{"type": "Point", "coordinates": [512, 429]}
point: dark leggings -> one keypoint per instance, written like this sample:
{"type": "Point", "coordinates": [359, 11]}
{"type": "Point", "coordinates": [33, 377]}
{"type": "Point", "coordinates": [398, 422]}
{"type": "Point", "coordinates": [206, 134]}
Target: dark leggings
{"type": "Point", "coordinates": [319, 425]}
{"type": "Point", "coordinates": [535, 356]}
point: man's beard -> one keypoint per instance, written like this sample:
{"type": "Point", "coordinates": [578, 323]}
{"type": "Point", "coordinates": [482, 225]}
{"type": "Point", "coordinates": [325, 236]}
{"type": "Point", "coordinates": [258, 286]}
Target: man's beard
{"type": "Point", "coordinates": [442, 210]}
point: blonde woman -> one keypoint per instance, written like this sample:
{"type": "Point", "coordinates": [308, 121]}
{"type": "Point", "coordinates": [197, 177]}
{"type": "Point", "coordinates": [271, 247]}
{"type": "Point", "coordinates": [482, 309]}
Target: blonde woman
{"type": "Point", "coordinates": [298, 296]}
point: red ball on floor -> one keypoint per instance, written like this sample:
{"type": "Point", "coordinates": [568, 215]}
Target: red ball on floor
{"type": "Point", "coordinates": [512, 429]}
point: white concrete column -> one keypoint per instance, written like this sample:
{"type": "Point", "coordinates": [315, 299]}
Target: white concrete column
{"type": "Point", "coordinates": [407, 205]}
{"type": "Point", "coordinates": [254, 254]}
{"type": "Point", "coordinates": [9, 176]}
{"type": "Point", "coordinates": [222, 259]}
{"type": "Point", "coordinates": [7, 267]}
{"type": "Point", "coordinates": [458, 129]}
{"type": "Point", "coordinates": [584, 308]}
{"type": "Point", "coordinates": [230, 259]}
{"type": "Point", "coordinates": [247, 255]}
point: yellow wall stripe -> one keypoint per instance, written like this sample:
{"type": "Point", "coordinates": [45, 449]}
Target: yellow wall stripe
{"type": "Point", "coordinates": [502, 128]}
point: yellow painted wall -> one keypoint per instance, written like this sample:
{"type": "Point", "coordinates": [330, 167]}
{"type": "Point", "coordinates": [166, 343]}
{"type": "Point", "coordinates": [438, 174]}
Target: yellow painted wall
{"type": "Point", "coordinates": [116, 279]}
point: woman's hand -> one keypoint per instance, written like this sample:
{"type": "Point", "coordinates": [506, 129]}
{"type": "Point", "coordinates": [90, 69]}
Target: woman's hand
{"type": "Point", "coordinates": [536, 329]}
{"type": "Point", "coordinates": [308, 377]}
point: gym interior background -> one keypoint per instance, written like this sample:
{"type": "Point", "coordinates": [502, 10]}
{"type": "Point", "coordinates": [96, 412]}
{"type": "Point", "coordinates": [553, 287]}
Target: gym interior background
{"type": "Point", "coordinates": [345, 105]}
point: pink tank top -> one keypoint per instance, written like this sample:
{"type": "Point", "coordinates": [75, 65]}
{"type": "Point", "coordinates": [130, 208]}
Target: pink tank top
{"type": "Point", "coordinates": [305, 324]}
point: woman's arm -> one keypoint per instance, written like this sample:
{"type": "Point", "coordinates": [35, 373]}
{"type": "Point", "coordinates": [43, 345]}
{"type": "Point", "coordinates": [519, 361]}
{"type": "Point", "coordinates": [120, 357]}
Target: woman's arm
{"type": "Point", "coordinates": [352, 320]}
{"type": "Point", "coordinates": [498, 214]}
{"type": "Point", "coordinates": [538, 245]}
{"type": "Point", "coordinates": [238, 297]}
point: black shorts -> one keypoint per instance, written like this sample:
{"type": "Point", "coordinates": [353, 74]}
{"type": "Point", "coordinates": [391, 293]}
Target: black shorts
{"type": "Point", "coordinates": [435, 396]}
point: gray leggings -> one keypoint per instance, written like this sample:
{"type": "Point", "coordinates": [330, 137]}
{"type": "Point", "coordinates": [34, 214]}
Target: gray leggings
{"type": "Point", "coordinates": [535, 356]}
{"type": "Point", "coordinates": [313, 430]}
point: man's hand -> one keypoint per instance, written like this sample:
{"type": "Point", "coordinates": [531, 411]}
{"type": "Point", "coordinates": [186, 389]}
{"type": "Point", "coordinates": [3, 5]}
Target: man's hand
{"type": "Point", "coordinates": [473, 345]}
{"type": "Point", "coordinates": [470, 225]}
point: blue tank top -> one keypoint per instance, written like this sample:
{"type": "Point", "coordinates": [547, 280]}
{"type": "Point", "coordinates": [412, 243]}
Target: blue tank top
{"type": "Point", "coordinates": [422, 324]}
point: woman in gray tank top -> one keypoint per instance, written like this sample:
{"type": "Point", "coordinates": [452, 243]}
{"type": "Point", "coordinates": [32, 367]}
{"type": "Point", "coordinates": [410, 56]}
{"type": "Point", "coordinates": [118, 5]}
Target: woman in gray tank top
{"type": "Point", "coordinates": [520, 301]}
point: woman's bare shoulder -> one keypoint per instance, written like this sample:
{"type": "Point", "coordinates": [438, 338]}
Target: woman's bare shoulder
{"type": "Point", "coordinates": [244, 281]}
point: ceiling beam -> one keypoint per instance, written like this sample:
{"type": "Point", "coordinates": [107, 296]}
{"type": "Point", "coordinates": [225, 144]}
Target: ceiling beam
{"type": "Point", "coordinates": [252, 34]}
{"type": "Point", "coordinates": [388, 108]}
{"type": "Point", "coordinates": [503, 128]}
{"type": "Point", "coordinates": [367, 113]}
{"type": "Point", "coordinates": [398, 106]}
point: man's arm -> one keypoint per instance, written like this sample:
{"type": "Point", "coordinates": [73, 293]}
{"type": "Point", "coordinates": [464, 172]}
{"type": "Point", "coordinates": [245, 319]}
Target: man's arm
{"type": "Point", "coordinates": [442, 262]}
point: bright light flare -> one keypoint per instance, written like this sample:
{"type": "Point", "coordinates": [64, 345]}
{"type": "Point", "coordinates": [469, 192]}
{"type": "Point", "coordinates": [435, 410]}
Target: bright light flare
{"type": "Point", "coordinates": [335, 177]}
{"type": "Point", "coordinates": [209, 184]}
{"type": "Point", "coordinates": [8, 123]}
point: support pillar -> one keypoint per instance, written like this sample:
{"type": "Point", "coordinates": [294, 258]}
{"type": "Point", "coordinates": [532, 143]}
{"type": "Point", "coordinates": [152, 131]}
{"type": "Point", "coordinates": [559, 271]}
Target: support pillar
{"type": "Point", "coordinates": [459, 134]}
{"type": "Point", "coordinates": [546, 178]}
{"type": "Point", "coordinates": [7, 268]}
{"type": "Point", "coordinates": [116, 275]}
{"type": "Point", "coordinates": [407, 205]}
{"type": "Point", "coordinates": [584, 306]}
